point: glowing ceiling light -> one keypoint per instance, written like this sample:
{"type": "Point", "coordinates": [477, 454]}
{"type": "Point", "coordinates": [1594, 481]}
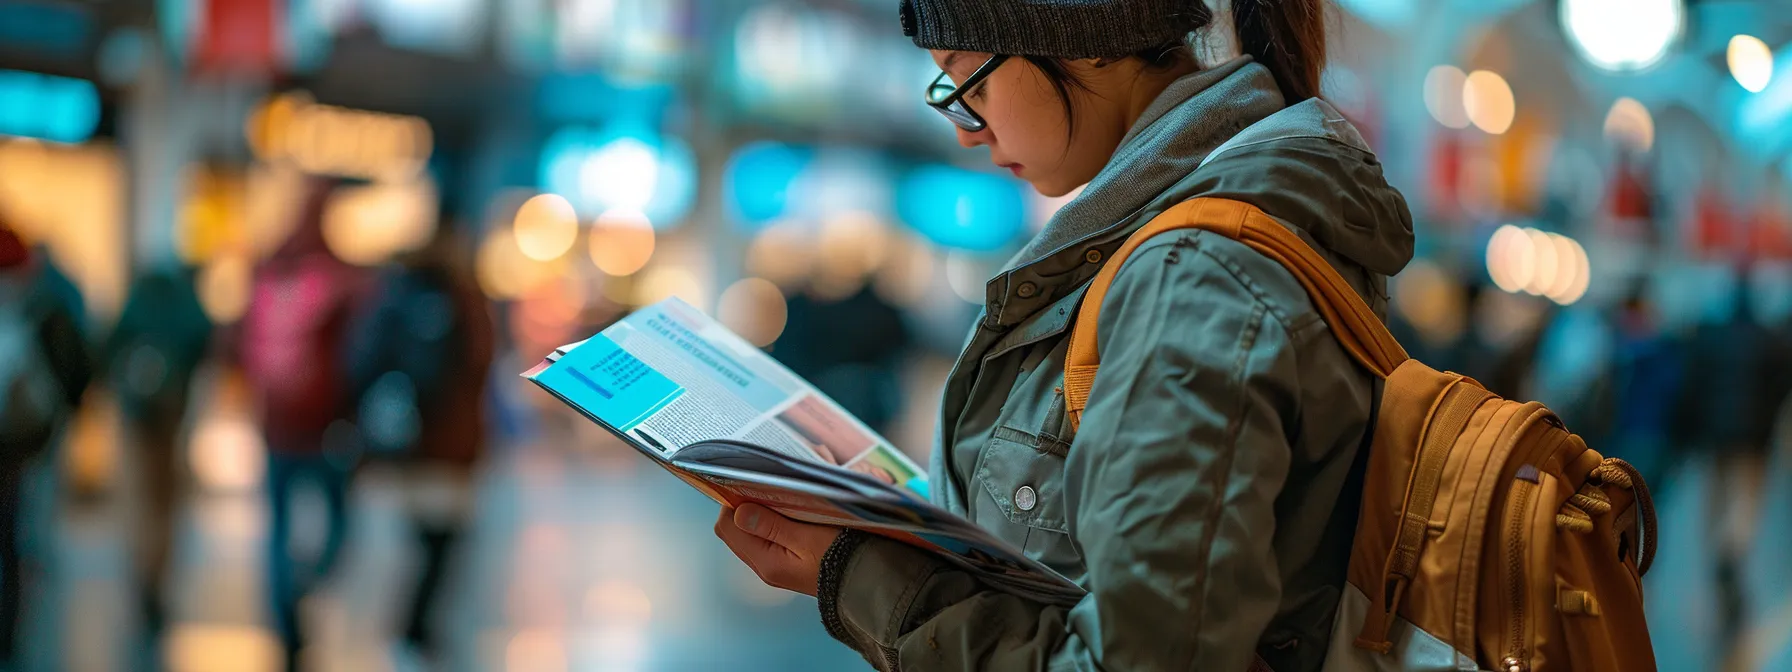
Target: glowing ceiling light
{"type": "Point", "coordinates": [1751, 62]}
{"type": "Point", "coordinates": [1623, 34]}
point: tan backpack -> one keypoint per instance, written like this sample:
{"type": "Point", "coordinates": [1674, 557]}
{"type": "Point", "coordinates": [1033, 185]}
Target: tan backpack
{"type": "Point", "coordinates": [1490, 537]}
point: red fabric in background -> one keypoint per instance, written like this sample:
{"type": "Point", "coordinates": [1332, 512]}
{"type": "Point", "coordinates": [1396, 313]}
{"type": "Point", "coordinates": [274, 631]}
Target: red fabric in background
{"type": "Point", "coordinates": [238, 35]}
{"type": "Point", "coordinates": [12, 249]}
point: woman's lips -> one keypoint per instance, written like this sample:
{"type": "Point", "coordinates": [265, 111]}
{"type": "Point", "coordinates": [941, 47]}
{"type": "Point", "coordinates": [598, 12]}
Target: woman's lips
{"type": "Point", "coordinates": [1013, 167]}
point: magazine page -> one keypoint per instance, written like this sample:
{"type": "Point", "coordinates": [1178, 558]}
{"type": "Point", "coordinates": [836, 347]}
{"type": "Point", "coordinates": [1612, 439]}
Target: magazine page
{"type": "Point", "coordinates": [917, 524]}
{"type": "Point", "coordinates": [748, 457]}
{"type": "Point", "coordinates": [667, 377]}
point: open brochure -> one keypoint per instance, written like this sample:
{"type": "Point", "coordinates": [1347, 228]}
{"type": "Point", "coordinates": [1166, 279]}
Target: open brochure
{"type": "Point", "coordinates": [738, 426]}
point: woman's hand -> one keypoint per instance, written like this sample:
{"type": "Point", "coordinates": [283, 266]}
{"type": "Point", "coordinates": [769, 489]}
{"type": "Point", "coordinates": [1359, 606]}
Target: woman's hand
{"type": "Point", "coordinates": [783, 552]}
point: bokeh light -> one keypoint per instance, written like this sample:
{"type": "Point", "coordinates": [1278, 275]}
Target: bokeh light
{"type": "Point", "coordinates": [755, 309]}
{"type": "Point", "coordinates": [203, 647]}
{"type": "Point", "coordinates": [1750, 61]}
{"type": "Point", "coordinates": [621, 242]}
{"type": "Point", "coordinates": [1488, 101]}
{"type": "Point", "coordinates": [1444, 86]}
{"type": "Point", "coordinates": [672, 280]}
{"type": "Point", "coordinates": [624, 166]}
{"type": "Point", "coordinates": [1549, 264]}
{"type": "Point", "coordinates": [545, 227]}
{"type": "Point", "coordinates": [369, 224]}
{"type": "Point", "coordinates": [1630, 125]}
{"type": "Point", "coordinates": [968, 276]}
{"type": "Point", "coordinates": [1429, 298]}
{"type": "Point", "coordinates": [621, 174]}
{"type": "Point", "coordinates": [851, 247]}
{"type": "Point", "coordinates": [48, 107]}
{"type": "Point", "coordinates": [1510, 259]}
{"type": "Point", "coordinates": [505, 273]}
{"type": "Point", "coordinates": [228, 455]}
{"type": "Point", "coordinates": [908, 272]}
{"type": "Point", "coordinates": [962, 209]}
{"type": "Point", "coordinates": [536, 650]}
{"type": "Point", "coordinates": [783, 253]}
{"type": "Point", "coordinates": [1539, 263]}
{"type": "Point", "coordinates": [618, 603]}
{"type": "Point", "coordinates": [759, 178]}
{"type": "Point", "coordinates": [223, 288]}
{"type": "Point", "coordinates": [330, 140]}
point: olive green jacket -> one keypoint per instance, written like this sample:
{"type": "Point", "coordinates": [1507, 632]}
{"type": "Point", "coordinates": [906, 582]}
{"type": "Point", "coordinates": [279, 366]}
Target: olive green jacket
{"type": "Point", "coordinates": [1208, 500]}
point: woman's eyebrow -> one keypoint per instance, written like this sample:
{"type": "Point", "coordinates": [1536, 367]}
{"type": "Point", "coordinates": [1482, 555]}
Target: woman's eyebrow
{"type": "Point", "coordinates": [952, 59]}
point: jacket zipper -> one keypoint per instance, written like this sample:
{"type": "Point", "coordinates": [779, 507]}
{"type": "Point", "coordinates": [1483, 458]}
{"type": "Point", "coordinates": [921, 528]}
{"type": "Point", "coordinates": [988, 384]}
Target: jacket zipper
{"type": "Point", "coordinates": [1515, 524]}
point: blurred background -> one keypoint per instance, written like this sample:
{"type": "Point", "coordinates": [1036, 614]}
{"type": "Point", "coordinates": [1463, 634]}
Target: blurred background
{"type": "Point", "coordinates": [271, 268]}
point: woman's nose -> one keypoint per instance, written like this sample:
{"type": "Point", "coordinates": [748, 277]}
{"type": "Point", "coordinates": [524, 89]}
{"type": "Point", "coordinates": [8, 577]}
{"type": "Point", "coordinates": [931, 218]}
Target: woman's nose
{"type": "Point", "coordinates": [973, 139]}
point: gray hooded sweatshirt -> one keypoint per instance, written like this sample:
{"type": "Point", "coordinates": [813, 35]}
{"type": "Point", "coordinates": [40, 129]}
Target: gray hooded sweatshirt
{"type": "Point", "coordinates": [1208, 501]}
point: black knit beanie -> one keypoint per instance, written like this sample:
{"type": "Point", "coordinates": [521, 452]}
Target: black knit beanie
{"type": "Point", "coordinates": [1052, 28]}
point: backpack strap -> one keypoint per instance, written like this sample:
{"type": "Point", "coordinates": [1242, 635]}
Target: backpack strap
{"type": "Point", "coordinates": [1356, 327]}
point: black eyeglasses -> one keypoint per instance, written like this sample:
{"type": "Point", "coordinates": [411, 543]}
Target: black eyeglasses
{"type": "Point", "coordinates": [948, 98]}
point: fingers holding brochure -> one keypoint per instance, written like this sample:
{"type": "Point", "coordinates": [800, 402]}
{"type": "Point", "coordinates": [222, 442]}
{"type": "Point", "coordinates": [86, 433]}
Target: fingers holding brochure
{"type": "Point", "coordinates": [783, 552]}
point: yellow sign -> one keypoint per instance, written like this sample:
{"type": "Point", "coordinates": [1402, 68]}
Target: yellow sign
{"type": "Point", "coordinates": [330, 140]}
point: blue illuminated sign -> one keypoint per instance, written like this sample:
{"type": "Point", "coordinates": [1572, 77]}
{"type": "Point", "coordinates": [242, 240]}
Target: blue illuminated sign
{"type": "Point", "coordinates": [962, 209]}
{"type": "Point", "coordinates": [759, 180]}
{"type": "Point", "coordinates": [59, 109]}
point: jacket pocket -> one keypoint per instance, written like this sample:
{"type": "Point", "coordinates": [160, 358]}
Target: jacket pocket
{"type": "Point", "coordinates": [1026, 484]}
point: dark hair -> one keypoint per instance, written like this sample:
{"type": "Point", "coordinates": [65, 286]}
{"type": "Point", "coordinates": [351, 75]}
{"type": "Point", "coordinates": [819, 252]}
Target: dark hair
{"type": "Point", "coordinates": [1286, 36]}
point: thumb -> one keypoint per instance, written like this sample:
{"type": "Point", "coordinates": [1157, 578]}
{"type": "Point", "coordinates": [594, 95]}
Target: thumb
{"type": "Point", "coordinates": [774, 527]}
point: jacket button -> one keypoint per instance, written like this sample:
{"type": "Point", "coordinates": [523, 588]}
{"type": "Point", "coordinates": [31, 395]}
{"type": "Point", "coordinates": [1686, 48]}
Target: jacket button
{"type": "Point", "coordinates": [1025, 499]}
{"type": "Point", "coordinates": [1027, 290]}
{"type": "Point", "coordinates": [1092, 256]}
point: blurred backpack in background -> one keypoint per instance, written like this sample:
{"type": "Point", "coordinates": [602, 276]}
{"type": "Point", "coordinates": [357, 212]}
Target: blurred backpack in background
{"type": "Point", "coordinates": [402, 352]}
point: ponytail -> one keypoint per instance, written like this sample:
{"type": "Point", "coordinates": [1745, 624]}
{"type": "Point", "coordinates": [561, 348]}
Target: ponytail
{"type": "Point", "coordinates": [1286, 36]}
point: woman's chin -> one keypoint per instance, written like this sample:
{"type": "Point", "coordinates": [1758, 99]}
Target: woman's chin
{"type": "Point", "coordinates": [1050, 188]}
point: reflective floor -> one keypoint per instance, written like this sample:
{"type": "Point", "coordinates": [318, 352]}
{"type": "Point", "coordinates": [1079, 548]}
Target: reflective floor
{"type": "Point", "coordinates": [575, 561]}
{"type": "Point", "coordinates": [589, 558]}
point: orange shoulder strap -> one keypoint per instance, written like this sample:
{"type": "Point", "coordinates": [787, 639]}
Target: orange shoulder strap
{"type": "Point", "coordinates": [1356, 327]}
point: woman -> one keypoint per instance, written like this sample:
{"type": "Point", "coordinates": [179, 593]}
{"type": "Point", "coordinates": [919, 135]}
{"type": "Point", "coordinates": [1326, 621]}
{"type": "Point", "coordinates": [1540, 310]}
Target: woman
{"type": "Point", "coordinates": [1208, 498]}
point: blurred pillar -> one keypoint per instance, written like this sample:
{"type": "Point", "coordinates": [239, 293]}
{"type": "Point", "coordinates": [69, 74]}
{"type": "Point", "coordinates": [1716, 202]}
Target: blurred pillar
{"type": "Point", "coordinates": [157, 131]}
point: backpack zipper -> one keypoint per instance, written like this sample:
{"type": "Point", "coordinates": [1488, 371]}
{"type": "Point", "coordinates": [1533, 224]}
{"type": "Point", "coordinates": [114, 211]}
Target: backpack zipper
{"type": "Point", "coordinates": [1522, 490]}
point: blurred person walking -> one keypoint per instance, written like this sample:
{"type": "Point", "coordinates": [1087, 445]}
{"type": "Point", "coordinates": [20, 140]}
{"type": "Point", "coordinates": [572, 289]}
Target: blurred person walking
{"type": "Point", "coordinates": [851, 349]}
{"type": "Point", "coordinates": [293, 337]}
{"type": "Point", "coordinates": [1727, 412]}
{"type": "Point", "coordinates": [150, 357]}
{"type": "Point", "coordinates": [45, 366]}
{"type": "Point", "coordinates": [1645, 383]}
{"type": "Point", "coordinates": [419, 357]}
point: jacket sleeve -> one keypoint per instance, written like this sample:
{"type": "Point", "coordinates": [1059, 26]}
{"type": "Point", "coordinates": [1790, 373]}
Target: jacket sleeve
{"type": "Point", "coordinates": [1170, 483]}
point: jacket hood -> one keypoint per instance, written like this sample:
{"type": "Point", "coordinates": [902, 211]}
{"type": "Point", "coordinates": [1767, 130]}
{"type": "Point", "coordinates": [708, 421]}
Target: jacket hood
{"type": "Point", "coordinates": [1309, 168]}
{"type": "Point", "coordinates": [1226, 132]}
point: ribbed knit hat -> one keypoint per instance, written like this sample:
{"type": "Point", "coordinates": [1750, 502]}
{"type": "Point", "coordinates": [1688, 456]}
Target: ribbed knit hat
{"type": "Point", "coordinates": [1052, 28]}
